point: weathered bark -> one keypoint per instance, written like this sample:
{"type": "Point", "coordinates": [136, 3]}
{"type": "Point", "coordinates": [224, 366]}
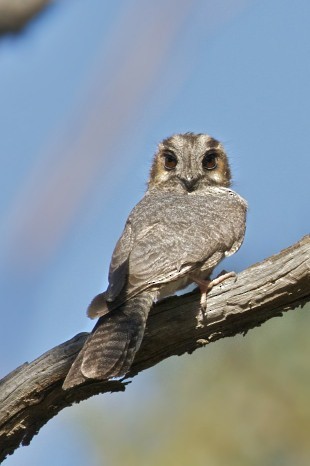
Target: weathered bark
{"type": "Point", "coordinates": [14, 14]}
{"type": "Point", "coordinates": [33, 394]}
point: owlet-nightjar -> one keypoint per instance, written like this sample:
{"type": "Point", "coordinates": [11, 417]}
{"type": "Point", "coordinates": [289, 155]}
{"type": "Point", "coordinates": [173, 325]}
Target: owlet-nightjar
{"type": "Point", "coordinates": [187, 222]}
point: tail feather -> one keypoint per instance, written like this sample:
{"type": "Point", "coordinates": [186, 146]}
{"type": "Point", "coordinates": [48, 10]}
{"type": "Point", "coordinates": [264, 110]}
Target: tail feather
{"type": "Point", "coordinates": [110, 349]}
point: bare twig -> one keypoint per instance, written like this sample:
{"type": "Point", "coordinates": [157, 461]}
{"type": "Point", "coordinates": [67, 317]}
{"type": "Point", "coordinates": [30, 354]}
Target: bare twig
{"type": "Point", "coordinates": [33, 394]}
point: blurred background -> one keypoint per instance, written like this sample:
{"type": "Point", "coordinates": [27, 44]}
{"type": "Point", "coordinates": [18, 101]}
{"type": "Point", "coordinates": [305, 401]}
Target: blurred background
{"type": "Point", "coordinates": [87, 90]}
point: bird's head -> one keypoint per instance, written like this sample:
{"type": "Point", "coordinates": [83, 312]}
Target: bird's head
{"type": "Point", "coordinates": [189, 163]}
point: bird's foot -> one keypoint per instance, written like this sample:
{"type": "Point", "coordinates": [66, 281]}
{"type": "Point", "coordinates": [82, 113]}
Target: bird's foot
{"type": "Point", "coordinates": [222, 276]}
{"type": "Point", "coordinates": [205, 287]}
{"type": "Point", "coordinates": [200, 317]}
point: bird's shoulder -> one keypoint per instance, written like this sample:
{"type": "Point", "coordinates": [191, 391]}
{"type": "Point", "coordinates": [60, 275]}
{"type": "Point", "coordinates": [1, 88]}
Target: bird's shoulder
{"type": "Point", "coordinates": [170, 207]}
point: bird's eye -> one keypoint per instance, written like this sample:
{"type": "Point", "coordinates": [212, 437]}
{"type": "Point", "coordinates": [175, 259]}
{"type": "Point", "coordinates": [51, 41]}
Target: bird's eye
{"type": "Point", "coordinates": [209, 161]}
{"type": "Point", "coordinates": [170, 160]}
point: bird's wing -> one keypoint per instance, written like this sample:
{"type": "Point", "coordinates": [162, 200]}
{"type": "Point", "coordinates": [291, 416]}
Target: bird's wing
{"type": "Point", "coordinates": [118, 273]}
{"type": "Point", "coordinates": [119, 265]}
{"type": "Point", "coordinates": [174, 234]}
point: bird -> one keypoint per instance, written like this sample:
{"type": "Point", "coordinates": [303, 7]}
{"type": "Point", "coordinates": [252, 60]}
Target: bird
{"type": "Point", "coordinates": [188, 221]}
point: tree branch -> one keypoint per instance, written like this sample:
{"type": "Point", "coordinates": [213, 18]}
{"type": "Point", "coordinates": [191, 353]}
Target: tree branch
{"type": "Point", "coordinates": [14, 14]}
{"type": "Point", "coordinates": [33, 394]}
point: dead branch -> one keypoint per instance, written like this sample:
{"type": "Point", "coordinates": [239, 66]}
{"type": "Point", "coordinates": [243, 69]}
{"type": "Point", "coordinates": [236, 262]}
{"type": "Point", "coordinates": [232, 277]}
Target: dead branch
{"type": "Point", "coordinates": [33, 394]}
{"type": "Point", "coordinates": [14, 14]}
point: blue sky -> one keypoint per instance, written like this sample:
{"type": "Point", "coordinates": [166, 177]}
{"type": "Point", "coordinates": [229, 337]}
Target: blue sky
{"type": "Point", "coordinates": [86, 93]}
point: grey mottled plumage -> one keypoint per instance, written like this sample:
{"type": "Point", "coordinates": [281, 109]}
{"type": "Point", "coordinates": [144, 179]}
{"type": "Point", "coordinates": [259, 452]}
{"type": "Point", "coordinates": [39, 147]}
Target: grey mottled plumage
{"type": "Point", "coordinates": [187, 222]}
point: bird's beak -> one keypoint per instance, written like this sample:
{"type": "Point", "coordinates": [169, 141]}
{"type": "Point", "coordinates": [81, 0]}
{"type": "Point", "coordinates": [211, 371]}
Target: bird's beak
{"type": "Point", "coordinates": [189, 183]}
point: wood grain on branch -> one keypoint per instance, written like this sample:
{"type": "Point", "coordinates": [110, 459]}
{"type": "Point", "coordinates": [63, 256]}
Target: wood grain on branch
{"type": "Point", "coordinates": [33, 394]}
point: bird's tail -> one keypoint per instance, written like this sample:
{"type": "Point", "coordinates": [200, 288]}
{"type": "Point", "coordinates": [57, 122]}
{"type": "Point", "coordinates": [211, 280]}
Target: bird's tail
{"type": "Point", "coordinates": [110, 348]}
